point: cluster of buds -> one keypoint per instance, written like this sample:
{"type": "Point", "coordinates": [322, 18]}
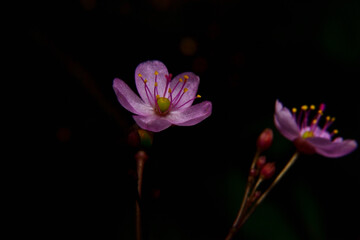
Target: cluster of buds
{"type": "Point", "coordinates": [264, 142]}
{"type": "Point", "coordinates": [260, 170]}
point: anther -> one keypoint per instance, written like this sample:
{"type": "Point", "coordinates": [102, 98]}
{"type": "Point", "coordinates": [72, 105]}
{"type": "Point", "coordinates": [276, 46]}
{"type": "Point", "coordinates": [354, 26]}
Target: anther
{"type": "Point", "coordinates": [156, 84]}
{"type": "Point", "coordinates": [312, 107]}
{"type": "Point", "coordinates": [156, 73]}
{"type": "Point", "coordinates": [145, 81]}
{"type": "Point", "coordinates": [180, 80]}
{"type": "Point", "coordinates": [139, 75]}
{"type": "Point", "coordinates": [186, 77]}
{"type": "Point", "coordinates": [304, 107]}
{"type": "Point", "coordinates": [185, 90]}
{"type": "Point", "coordinates": [335, 131]}
{"type": "Point", "coordinates": [169, 90]}
{"type": "Point", "coordinates": [294, 110]}
{"type": "Point", "coordinates": [198, 96]}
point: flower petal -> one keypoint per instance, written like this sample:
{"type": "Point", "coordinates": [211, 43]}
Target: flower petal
{"type": "Point", "coordinates": [129, 100]}
{"type": "Point", "coordinates": [285, 122]}
{"type": "Point", "coordinates": [147, 71]}
{"type": "Point", "coordinates": [332, 149]}
{"type": "Point", "coordinates": [153, 123]}
{"type": "Point", "coordinates": [190, 82]}
{"type": "Point", "coordinates": [191, 115]}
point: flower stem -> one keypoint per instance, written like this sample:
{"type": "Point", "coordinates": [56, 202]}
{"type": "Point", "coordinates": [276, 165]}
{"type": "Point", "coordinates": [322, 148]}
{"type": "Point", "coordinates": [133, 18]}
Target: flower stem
{"type": "Point", "coordinates": [141, 158]}
{"type": "Point", "coordinates": [249, 184]}
{"type": "Point", "coordinates": [277, 179]}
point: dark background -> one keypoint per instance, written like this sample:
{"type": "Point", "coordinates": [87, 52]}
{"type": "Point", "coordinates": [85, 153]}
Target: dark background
{"type": "Point", "coordinates": [77, 179]}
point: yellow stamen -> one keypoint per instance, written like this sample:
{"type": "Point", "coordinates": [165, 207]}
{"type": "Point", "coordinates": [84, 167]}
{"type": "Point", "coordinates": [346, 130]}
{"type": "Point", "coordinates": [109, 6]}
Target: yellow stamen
{"type": "Point", "coordinates": [156, 73]}
{"type": "Point", "coordinates": [328, 118]}
{"type": "Point", "coordinates": [304, 107]}
{"type": "Point", "coordinates": [145, 81]}
{"type": "Point", "coordinates": [139, 75]}
{"type": "Point", "coordinates": [185, 90]}
{"type": "Point", "coordinates": [320, 112]}
{"type": "Point", "coordinates": [180, 80]}
{"type": "Point", "coordinates": [294, 110]}
{"type": "Point", "coordinates": [156, 84]}
{"type": "Point", "coordinates": [314, 121]}
{"type": "Point", "coordinates": [169, 90]}
{"type": "Point", "coordinates": [312, 107]}
{"type": "Point", "coordinates": [186, 77]}
{"type": "Point", "coordinates": [333, 119]}
{"type": "Point", "coordinates": [198, 96]}
{"type": "Point", "coordinates": [335, 131]}
{"type": "Point", "coordinates": [157, 96]}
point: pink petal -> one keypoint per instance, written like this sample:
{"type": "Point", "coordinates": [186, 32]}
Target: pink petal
{"type": "Point", "coordinates": [129, 100]}
{"type": "Point", "coordinates": [285, 122]}
{"type": "Point", "coordinates": [191, 84]}
{"type": "Point", "coordinates": [153, 123]}
{"type": "Point", "coordinates": [191, 115]}
{"type": "Point", "coordinates": [332, 149]}
{"type": "Point", "coordinates": [147, 71]}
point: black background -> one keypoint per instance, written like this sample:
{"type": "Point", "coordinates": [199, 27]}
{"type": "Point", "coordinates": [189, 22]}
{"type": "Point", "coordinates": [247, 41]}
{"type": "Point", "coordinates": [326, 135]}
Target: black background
{"type": "Point", "coordinates": [77, 181]}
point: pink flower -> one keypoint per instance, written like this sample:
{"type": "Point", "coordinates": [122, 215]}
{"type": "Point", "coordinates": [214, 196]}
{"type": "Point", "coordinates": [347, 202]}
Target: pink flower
{"type": "Point", "coordinates": [164, 101]}
{"type": "Point", "coordinates": [308, 137]}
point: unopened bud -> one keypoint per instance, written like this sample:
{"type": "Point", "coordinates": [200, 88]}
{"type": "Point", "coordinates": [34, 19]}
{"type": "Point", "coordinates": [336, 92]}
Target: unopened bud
{"type": "Point", "coordinates": [252, 173]}
{"type": "Point", "coordinates": [265, 139]}
{"type": "Point", "coordinates": [146, 137]}
{"type": "Point", "coordinates": [138, 137]}
{"type": "Point", "coordinates": [267, 171]}
{"type": "Point", "coordinates": [261, 162]}
{"type": "Point", "coordinates": [133, 138]}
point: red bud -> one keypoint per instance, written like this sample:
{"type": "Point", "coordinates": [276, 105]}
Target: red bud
{"type": "Point", "coordinates": [268, 170]}
{"type": "Point", "coordinates": [265, 139]}
{"type": "Point", "coordinates": [261, 162]}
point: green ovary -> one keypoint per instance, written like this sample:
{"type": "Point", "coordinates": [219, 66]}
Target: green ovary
{"type": "Point", "coordinates": [163, 104]}
{"type": "Point", "coordinates": [308, 134]}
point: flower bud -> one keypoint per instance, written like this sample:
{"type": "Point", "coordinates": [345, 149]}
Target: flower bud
{"type": "Point", "coordinates": [133, 138]}
{"type": "Point", "coordinates": [139, 137]}
{"type": "Point", "coordinates": [267, 171]}
{"type": "Point", "coordinates": [261, 162]}
{"type": "Point", "coordinates": [265, 139]}
{"type": "Point", "coordinates": [146, 137]}
{"type": "Point", "coordinates": [252, 172]}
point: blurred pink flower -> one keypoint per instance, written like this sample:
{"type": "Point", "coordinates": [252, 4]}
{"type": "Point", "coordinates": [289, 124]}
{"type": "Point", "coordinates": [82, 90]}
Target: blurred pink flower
{"type": "Point", "coordinates": [309, 138]}
{"type": "Point", "coordinates": [163, 101]}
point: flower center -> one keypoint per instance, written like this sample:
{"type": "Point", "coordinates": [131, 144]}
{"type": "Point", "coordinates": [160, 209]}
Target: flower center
{"type": "Point", "coordinates": [163, 104]}
{"type": "Point", "coordinates": [307, 134]}
{"type": "Point", "coordinates": [164, 101]}
{"type": "Point", "coordinates": [312, 129]}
